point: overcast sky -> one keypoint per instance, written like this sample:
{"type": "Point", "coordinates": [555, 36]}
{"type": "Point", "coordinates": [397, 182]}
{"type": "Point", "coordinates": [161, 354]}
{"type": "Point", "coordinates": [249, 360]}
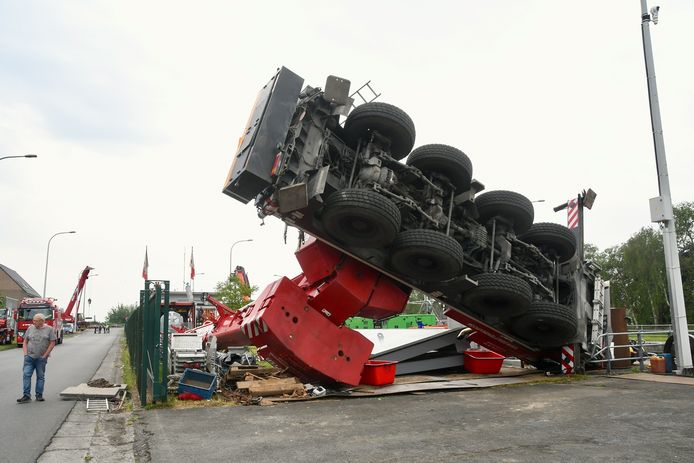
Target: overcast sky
{"type": "Point", "coordinates": [135, 109]}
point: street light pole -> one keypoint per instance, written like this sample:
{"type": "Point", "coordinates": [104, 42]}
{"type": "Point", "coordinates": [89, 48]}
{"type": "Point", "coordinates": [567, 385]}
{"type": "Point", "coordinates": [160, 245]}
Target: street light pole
{"type": "Point", "coordinates": [48, 250]}
{"type": "Point", "coordinates": [231, 251]}
{"type": "Point", "coordinates": [24, 156]}
{"type": "Point", "coordinates": [84, 297]}
{"type": "Point", "coordinates": [661, 207]}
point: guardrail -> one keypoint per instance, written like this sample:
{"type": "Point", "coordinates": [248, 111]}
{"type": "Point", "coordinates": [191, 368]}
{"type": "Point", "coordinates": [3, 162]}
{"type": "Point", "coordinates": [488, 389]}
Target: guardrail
{"type": "Point", "coordinates": [664, 327]}
{"type": "Point", "coordinates": [147, 348]}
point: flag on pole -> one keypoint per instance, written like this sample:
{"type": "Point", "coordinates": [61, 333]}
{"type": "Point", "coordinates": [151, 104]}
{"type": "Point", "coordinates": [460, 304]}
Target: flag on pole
{"type": "Point", "coordinates": [572, 213]}
{"type": "Point", "coordinates": [145, 267]}
{"type": "Point", "coordinates": [192, 265]}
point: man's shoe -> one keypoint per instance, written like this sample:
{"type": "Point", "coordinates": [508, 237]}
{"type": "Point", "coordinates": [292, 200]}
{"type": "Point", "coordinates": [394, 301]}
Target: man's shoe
{"type": "Point", "coordinates": [39, 398]}
{"type": "Point", "coordinates": [24, 399]}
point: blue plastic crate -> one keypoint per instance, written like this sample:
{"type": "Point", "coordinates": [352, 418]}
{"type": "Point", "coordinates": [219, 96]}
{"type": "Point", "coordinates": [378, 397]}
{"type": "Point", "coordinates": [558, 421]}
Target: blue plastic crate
{"type": "Point", "coordinates": [198, 382]}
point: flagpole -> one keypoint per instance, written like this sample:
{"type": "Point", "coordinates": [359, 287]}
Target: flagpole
{"type": "Point", "coordinates": [192, 272]}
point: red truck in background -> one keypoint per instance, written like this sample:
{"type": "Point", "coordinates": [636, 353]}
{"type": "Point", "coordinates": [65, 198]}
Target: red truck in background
{"type": "Point", "coordinates": [6, 322]}
{"type": "Point", "coordinates": [31, 306]}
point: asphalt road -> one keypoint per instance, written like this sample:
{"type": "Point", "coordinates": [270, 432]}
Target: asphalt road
{"type": "Point", "coordinates": [26, 429]}
{"type": "Point", "coordinates": [596, 420]}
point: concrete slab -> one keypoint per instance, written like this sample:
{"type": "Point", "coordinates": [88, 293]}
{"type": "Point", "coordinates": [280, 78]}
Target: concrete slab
{"type": "Point", "coordinates": [61, 456]}
{"type": "Point", "coordinates": [69, 443]}
{"type": "Point", "coordinates": [79, 414]}
{"type": "Point", "coordinates": [111, 454]}
{"type": "Point", "coordinates": [83, 391]}
{"type": "Point", "coordinates": [75, 429]}
{"type": "Point", "coordinates": [671, 379]}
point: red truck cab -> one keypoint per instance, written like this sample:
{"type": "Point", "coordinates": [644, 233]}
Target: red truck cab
{"type": "Point", "coordinates": [29, 307]}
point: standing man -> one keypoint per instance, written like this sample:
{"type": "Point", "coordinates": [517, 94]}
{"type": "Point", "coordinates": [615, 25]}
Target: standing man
{"type": "Point", "coordinates": [39, 341]}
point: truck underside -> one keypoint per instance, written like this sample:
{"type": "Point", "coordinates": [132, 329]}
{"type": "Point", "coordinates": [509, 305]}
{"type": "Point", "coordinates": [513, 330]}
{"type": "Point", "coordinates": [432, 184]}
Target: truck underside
{"type": "Point", "coordinates": [422, 223]}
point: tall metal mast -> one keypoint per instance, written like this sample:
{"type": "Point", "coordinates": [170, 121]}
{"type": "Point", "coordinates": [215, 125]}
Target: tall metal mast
{"type": "Point", "coordinates": [661, 207]}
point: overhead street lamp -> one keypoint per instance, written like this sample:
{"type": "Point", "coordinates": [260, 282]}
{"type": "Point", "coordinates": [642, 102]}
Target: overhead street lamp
{"type": "Point", "coordinates": [232, 251]}
{"type": "Point", "coordinates": [48, 250]}
{"type": "Point", "coordinates": [24, 156]}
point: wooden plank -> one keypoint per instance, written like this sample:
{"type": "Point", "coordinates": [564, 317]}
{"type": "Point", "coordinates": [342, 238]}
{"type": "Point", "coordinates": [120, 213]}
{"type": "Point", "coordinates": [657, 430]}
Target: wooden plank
{"type": "Point", "coordinates": [236, 374]}
{"type": "Point", "coordinates": [268, 382]}
{"type": "Point", "coordinates": [270, 386]}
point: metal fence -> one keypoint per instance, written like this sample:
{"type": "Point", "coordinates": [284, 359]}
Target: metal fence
{"type": "Point", "coordinates": [638, 342]}
{"type": "Point", "coordinates": [147, 347]}
{"type": "Point", "coordinates": [664, 327]}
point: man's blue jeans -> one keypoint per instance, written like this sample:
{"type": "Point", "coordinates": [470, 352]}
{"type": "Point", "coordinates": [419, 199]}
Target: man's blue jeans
{"type": "Point", "coordinates": [31, 364]}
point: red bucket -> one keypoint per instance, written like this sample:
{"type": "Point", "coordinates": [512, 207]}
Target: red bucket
{"type": "Point", "coordinates": [378, 373]}
{"type": "Point", "coordinates": [482, 362]}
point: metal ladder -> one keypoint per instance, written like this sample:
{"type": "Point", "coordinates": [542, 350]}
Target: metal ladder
{"type": "Point", "coordinates": [599, 320]}
{"type": "Point", "coordinates": [372, 97]}
{"type": "Point", "coordinates": [98, 405]}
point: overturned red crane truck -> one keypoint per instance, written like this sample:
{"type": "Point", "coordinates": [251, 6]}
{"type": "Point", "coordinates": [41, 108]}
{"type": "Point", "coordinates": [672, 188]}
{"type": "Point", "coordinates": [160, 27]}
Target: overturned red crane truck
{"type": "Point", "coordinates": [381, 226]}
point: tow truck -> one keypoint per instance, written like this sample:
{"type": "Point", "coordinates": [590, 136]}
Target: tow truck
{"type": "Point", "coordinates": [30, 307]}
{"type": "Point", "coordinates": [381, 227]}
{"type": "Point", "coordinates": [69, 324]}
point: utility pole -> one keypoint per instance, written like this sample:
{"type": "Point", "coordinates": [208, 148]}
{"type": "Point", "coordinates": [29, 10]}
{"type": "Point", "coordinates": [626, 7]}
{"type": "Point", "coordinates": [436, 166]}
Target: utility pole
{"type": "Point", "coordinates": [661, 206]}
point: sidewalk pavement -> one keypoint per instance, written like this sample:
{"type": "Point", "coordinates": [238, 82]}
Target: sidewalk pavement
{"type": "Point", "coordinates": [95, 436]}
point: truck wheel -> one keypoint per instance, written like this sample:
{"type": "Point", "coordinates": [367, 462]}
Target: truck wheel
{"type": "Point", "coordinates": [426, 255]}
{"type": "Point", "coordinates": [509, 205]}
{"type": "Point", "coordinates": [388, 120]}
{"type": "Point", "coordinates": [361, 218]}
{"type": "Point", "coordinates": [553, 239]}
{"type": "Point", "coordinates": [499, 295]}
{"type": "Point", "coordinates": [546, 324]}
{"type": "Point", "coordinates": [445, 160]}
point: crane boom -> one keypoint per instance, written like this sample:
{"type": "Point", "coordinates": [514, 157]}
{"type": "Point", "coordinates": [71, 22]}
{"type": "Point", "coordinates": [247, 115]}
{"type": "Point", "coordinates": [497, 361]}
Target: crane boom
{"type": "Point", "coordinates": [75, 295]}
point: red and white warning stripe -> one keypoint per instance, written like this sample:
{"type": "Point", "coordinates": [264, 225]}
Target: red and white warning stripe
{"type": "Point", "coordinates": [567, 360]}
{"type": "Point", "coordinates": [572, 213]}
{"type": "Point", "coordinates": [254, 327]}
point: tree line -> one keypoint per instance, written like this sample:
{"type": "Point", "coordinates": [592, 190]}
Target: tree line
{"type": "Point", "coordinates": [636, 270]}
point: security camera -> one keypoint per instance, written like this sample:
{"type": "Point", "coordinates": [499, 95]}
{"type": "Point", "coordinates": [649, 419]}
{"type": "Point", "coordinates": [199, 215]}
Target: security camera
{"type": "Point", "coordinates": [654, 14]}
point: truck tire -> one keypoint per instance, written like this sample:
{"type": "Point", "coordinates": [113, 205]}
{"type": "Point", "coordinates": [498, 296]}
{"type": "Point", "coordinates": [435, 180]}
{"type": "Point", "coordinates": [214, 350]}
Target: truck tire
{"type": "Point", "coordinates": [445, 160]}
{"type": "Point", "coordinates": [361, 218]}
{"type": "Point", "coordinates": [546, 324]}
{"type": "Point", "coordinates": [426, 255]}
{"type": "Point", "coordinates": [499, 295]}
{"type": "Point", "coordinates": [512, 206]}
{"type": "Point", "coordinates": [553, 240]}
{"type": "Point", "coordinates": [388, 120]}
